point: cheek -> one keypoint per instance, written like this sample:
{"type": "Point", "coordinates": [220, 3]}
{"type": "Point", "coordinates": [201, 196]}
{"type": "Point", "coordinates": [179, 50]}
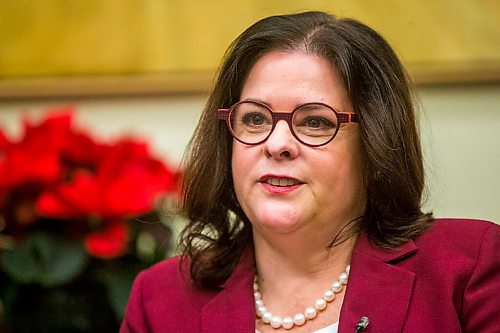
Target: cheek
{"type": "Point", "coordinates": [340, 171]}
{"type": "Point", "coordinates": [240, 165]}
{"type": "Point", "coordinates": [352, 181]}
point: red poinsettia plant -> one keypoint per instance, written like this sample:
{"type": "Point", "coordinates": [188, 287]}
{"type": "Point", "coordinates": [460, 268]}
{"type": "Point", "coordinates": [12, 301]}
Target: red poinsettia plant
{"type": "Point", "coordinates": [75, 209]}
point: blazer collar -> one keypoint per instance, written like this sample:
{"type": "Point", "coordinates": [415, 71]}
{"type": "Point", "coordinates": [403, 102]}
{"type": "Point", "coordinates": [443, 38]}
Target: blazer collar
{"type": "Point", "coordinates": [377, 288]}
{"type": "Point", "coordinates": [231, 309]}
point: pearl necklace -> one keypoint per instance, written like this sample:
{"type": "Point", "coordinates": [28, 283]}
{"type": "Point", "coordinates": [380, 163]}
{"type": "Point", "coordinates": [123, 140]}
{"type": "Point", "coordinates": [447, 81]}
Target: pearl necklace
{"type": "Point", "coordinates": [300, 318]}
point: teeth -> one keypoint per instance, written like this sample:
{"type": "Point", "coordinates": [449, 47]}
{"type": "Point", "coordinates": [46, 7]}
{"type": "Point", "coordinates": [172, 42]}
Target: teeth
{"type": "Point", "coordinates": [281, 181]}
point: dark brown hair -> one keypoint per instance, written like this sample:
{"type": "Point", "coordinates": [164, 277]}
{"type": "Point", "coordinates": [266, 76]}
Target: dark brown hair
{"type": "Point", "coordinates": [378, 87]}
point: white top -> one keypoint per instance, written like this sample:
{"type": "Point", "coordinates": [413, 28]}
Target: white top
{"type": "Point", "coordinates": [329, 329]}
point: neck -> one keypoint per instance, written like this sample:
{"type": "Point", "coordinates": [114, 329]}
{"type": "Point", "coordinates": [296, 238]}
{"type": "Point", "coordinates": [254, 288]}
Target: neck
{"type": "Point", "coordinates": [300, 254]}
{"type": "Point", "coordinates": [293, 272]}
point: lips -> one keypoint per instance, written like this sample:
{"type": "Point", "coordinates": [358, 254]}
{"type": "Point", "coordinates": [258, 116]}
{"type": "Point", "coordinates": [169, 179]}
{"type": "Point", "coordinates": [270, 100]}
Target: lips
{"type": "Point", "coordinates": [280, 181]}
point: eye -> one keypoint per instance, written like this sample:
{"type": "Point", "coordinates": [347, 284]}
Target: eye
{"type": "Point", "coordinates": [317, 122]}
{"type": "Point", "coordinates": [253, 118]}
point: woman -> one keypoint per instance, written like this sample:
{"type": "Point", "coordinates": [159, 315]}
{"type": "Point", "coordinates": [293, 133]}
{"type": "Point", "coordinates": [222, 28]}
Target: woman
{"type": "Point", "coordinates": [303, 185]}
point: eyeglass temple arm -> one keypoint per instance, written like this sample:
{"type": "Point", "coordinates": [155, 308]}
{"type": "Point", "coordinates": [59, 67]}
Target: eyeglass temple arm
{"type": "Point", "coordinates": [222, 114]}
{"type": "Point", "coordinates": [347, 117]}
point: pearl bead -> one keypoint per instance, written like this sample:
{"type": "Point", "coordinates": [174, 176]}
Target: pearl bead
{"type": "Point", "coordinates": [320, 304]}
{"type": "Point", "coordinates": [337, 287]}
{"type": "Point", "coordinates": [276, 322]}
{"type": "Point", "coordinates": [329, 295]}
{"type": "Point", "coordinates": [261, 310]}
{"type": "Point", "coordinates": [310, 313]}
{"type": "Point", "coordinates": [287, 323]}
{"type": "Point", "coordinates": [343, 278]}
{"type": "Point", "coordinates": [266, 317]}
{"type": "Point", "coordinates": [299, 319]}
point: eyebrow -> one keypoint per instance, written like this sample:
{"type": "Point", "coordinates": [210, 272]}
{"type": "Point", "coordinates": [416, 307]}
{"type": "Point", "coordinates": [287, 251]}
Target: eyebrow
{"type": "Point", "coordinates": [294, 107]}
{"type": "Point", "coordinates": [270, 105]}
{"type": "Point", "coordinates": [256, 100]}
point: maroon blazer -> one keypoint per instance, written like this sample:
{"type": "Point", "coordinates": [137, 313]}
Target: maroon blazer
{"type": "Point", "coordinates": [447, 280]}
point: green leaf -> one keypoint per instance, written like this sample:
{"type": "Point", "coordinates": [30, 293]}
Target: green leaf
{"type": "Point", "coordinates": [118, 280]}
{"type": "Point", "coordinates": [45, 259]}
{"type": "Point", "coordinates": [20, 264]}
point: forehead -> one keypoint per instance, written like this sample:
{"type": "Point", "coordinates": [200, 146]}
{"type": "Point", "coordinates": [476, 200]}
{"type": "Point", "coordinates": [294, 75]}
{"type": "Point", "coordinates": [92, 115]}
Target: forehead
{"type": "Point", "coordinates": [287, 79]}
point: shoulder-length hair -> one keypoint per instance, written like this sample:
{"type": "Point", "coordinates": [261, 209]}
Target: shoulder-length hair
{"type": "Point", "coordinates": [378, 87]}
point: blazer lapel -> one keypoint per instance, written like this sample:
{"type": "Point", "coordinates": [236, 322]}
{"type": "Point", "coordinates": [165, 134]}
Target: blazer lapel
{"type": "Point", "coordinates": [377, 289]}
{"type": "Point", "coordinates": [232, 309]}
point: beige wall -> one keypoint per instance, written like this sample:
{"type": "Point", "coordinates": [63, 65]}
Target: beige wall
{"type": "Point", "coordinates": [166, 122]}
{"type": "Point", "coordinates": [460, 130]}
{"type": "Point", "coordinates": [461, 135]}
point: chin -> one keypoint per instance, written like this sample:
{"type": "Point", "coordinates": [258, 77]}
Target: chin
{"type": "Point", "coordinates": [278, 223]}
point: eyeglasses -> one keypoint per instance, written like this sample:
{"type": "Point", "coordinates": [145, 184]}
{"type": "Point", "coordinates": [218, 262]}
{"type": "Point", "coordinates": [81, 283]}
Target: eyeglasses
{"type": "Point", "coordinates": [312, 124]}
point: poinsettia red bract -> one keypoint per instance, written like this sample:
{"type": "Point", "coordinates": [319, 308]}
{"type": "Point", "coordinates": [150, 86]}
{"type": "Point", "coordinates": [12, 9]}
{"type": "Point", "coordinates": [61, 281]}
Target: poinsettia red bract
{"type": "Point", "coordinates": [74, 177]}
{"type": "Point", "coordinates": [126, 183]}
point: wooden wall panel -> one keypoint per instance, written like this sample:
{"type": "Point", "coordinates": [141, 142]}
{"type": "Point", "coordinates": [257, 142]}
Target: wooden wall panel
{"type": "Point", "coordinates": [75, 47]}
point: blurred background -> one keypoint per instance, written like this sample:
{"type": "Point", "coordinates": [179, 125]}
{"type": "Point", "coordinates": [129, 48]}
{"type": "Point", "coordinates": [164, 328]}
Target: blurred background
{"type": "Point", "coordinates": [130, 79]}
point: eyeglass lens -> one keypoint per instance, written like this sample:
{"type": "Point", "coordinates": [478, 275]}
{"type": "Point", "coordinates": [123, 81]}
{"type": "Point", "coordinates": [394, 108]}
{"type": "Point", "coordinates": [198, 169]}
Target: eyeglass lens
{"type": "Point", "coordinates": [312, 124]}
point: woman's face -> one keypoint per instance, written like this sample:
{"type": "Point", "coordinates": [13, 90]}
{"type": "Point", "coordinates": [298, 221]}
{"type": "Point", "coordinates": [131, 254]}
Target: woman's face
{"type": "Point", "coordinates": [282, 185]}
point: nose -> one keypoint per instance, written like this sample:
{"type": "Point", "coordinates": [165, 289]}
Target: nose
{"type": "Point", "coordinates": [281, 144]}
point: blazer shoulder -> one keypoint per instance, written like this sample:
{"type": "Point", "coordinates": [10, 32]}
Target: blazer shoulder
{"type": "Point", "coordinates": [149, 294]}
{"type": "Point", "coordinates": [164, 278]}
{"type": "Point", "coordinates": [164, 299]}
{"type": "Point", "coordinates": [463, 225]}
{"type": "Point", "coordinates": [466, 254]}
{"type": "Point", "coordinates": [167, 270]}
{"type": "Point", "coordinates": [455, 227]}
{"type": "Point", "coordinates": [457, 237]}
{"type": "Point", "coordinates": [171, 277]}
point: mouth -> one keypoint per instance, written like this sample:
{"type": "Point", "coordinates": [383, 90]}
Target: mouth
{"type": "Point", "coordinates": [280, 181]}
